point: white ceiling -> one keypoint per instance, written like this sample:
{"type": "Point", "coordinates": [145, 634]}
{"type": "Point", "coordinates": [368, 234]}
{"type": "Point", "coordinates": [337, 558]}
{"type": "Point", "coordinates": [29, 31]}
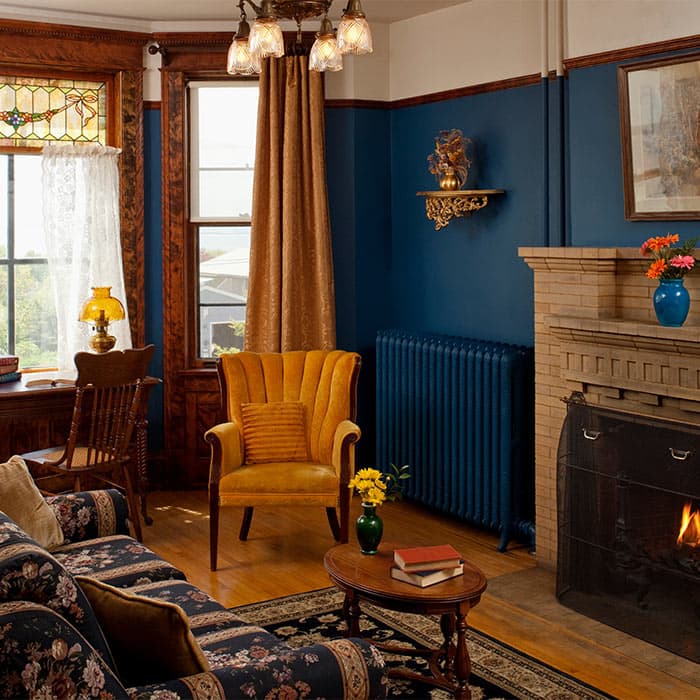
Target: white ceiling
{"type": "Point", "coordinates": [203, 10]}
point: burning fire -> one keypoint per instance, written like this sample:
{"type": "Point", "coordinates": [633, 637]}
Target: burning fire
{"type": "Point", "coordinates": [689, 533]}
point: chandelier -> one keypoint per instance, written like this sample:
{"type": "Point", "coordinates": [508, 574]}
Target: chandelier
{"type": "Point", "coordinates": [251, 44]}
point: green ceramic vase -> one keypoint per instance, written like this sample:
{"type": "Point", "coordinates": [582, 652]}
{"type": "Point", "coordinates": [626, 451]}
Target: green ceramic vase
{"type": "Point", "coordinates": [369, 529]}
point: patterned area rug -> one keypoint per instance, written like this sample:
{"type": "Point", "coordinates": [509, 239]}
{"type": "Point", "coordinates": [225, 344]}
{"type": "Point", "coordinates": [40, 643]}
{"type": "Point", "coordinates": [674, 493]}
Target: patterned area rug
{"type": "Point", "coordinates": [498, 671]}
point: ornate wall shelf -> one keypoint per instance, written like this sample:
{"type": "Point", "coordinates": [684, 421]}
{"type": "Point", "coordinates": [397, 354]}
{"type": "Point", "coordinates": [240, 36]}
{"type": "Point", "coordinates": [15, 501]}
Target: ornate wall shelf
{"type": "Point", "coordinates": [442, 205]}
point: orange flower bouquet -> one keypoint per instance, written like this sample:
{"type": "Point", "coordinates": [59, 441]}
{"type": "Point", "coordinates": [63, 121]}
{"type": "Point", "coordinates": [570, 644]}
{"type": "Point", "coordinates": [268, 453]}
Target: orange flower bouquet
{"type": "Point", "coordinates": [669, 262]}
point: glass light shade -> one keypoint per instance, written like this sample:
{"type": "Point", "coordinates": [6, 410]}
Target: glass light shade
{"type": "Point", "coordinates": [101, 307]}
{"type": "Point", "coordinates": [325, 55]}
{"type": "Point", "coordinates": [266, 38]}
{"type": "Point", "coordinates": [240, 59]}
{"type": "Point", "coordinates": [354, 35]}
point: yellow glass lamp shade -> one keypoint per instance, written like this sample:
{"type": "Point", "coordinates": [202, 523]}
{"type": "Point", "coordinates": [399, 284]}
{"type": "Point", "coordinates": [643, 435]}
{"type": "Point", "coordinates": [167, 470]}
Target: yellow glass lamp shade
{"type": "Point", "coordinates": [100, 310]}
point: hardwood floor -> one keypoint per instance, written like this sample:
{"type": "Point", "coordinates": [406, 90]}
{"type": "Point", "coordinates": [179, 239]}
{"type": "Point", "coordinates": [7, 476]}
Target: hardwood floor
{"type": "Point", "coordinates": [284, 553]}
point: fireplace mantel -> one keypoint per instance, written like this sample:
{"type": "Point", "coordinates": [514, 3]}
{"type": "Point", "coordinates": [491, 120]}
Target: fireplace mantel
{"type": "Point", "coordinates": [596, 333]}
{"type": "Point", "coordinates": [629, 361]}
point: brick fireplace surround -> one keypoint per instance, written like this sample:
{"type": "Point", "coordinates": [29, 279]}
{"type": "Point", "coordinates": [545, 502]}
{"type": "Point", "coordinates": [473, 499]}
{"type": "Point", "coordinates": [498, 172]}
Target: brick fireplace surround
{"type": "Point", "coordinates": [596, 333]}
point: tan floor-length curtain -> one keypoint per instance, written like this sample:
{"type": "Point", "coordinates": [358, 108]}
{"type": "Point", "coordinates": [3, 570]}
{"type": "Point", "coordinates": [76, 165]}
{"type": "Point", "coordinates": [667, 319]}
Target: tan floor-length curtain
{"type": "Point", "coordinates": [291, 303]}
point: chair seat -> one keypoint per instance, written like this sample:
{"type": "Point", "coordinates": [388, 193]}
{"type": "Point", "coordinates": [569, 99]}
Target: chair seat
{"type": "Point", "coordinates": [80, 461]}
{"type": "Point", "coordinates": [281, 478]}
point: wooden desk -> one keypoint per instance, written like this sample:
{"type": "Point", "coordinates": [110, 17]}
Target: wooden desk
{"type": "Point", "coordinates": [367, 577]}
{"type": "Point", "coordinates": [32, 418]}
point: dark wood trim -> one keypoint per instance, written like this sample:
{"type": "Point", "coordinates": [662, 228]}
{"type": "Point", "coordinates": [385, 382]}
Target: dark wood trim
{"type": "Point", "coordinates": [151, 104]}
{"type": "Point", "coordinates": [173, 100]}
{"type": "Point", "coordinates": [494, 86]}
{"type": "Point", "coordinates": [205, 52]}
{"type": "Point", "coordinates": [41, 44]}
{"type": "Point", "coordinates": [632, 52]}
{"type": "Point", "coordinates": [357, 104]}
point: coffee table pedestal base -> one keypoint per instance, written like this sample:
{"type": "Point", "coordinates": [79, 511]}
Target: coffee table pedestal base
{"type": "Point", "coordinates": [449, 665]}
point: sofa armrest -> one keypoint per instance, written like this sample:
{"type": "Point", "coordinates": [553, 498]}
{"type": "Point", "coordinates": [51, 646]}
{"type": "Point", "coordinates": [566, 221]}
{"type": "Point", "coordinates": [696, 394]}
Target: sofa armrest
{"type": "Point", "coordinates": [43, 655]}
{"type": "Point", "coordinates": [343, 668]}
{"type": "Point", "coordinates": [86, 515]}
{"type": "Point", "coordinates": [226, 443]}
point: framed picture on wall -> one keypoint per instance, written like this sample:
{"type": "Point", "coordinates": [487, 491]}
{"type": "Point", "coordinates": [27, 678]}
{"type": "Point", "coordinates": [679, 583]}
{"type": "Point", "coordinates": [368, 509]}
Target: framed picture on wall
{"type": "Point", "coordinates": [660, 129]}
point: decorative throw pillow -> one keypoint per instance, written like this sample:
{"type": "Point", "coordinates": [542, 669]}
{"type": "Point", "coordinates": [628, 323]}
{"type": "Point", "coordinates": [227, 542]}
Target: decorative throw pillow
{"type": "Point", "coordinates": [150, 639]}
{"type": "Point", "coordinates": [275, 432]}
{"type": "Point", "coordinates": [22, 501]}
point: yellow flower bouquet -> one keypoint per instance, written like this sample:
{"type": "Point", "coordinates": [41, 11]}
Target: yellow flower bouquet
{"type": "Point", "coordinates": [375, 487]}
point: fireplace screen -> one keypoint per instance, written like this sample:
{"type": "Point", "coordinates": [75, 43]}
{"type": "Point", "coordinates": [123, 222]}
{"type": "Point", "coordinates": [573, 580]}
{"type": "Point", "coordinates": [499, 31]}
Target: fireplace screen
{"type": "Point", "coordinates": [629, 525]}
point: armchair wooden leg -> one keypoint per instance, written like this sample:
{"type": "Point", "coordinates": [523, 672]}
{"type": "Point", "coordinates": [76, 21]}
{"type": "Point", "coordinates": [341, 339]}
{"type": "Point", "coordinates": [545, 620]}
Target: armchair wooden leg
{"type": "Point", "coordinates": [344, 515]}
{"type": "Point", "coordinates": [245, 523]}
{"type": "Point", "coordinates": [333, 522]}
{"type": "Point", "coordinates": [213, 525]}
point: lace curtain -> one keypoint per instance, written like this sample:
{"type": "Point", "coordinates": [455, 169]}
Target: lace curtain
{"type": "Point", "coordinates": [80, 185]}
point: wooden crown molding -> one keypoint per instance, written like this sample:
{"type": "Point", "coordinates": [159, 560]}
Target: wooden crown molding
{"type": "Point", "coordinates": [632, 52]}
{"type": "Point", "coordinates": [70, 47]}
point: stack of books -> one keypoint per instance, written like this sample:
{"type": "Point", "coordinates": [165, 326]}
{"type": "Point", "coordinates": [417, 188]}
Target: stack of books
{"type": "Point", "coordinates": [425, 566]}
{"type": "Point", "coordinates": [9, 368]}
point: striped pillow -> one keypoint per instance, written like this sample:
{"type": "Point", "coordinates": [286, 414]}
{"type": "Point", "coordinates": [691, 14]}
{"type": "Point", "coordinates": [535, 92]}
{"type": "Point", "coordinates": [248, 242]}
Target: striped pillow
{"type": "Point", "coordinates": [275, 432]}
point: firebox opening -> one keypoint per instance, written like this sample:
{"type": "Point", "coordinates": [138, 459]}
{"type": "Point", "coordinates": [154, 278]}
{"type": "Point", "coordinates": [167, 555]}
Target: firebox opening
{"type": "Point", "coordinates": [629, 524]}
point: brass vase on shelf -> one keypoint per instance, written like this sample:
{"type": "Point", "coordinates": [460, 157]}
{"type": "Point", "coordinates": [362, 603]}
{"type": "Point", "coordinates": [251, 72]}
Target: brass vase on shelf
{"type": "Point", "coordinates": [449, 180]}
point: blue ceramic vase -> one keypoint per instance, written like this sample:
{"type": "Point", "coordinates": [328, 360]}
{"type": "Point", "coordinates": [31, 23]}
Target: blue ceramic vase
{"type": "Point", "coordinates": [671, 302]}
{"type": "Point", "coordinates": [369, 528]}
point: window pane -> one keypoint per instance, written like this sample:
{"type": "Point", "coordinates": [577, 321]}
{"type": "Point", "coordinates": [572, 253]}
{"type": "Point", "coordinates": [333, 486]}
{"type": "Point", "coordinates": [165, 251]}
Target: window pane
{"type": "Point", "coordinates": [223, 127]}
{"type": "Point", "coordinates": [224, 262]}
{"type": "Point", "coordinates": [4, 339]}
{"type": "Point", "coordinates": [35, 316]}
{"type": "Point", "coordinates": [221, 329]}
{"type": "Point", "coordinates": [226, 194]}
{"type": "Point", "coordinates": [227, 125]}
{"type": "Point", "coordinates": [3, 207]}
{"type": "Point", "coordinates": [29, 224]}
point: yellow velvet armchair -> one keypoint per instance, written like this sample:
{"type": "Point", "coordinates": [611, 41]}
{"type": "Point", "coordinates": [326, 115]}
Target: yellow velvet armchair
{"type": "Point", "coordinates": [290, 435]}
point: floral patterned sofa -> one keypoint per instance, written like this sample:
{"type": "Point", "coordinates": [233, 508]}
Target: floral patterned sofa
{"type": "Point", "coordinates": [52, 644]}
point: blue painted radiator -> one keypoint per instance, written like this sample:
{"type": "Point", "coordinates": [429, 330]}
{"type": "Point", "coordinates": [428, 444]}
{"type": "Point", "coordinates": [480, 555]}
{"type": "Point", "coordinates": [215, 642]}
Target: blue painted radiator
{"type": "Point", "coordinates": [461, 413]}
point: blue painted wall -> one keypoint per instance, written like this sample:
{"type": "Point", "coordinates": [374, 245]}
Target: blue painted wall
{"type": "Point", "coordinates": [596, 203]}
{"type": "Point", "coordinates": [467, 278]}
{"type": "Point", "coordinates": [554, 147]}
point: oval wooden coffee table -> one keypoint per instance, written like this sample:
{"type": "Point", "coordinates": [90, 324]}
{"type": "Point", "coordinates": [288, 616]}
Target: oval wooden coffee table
{"type": "Point", "coordinates": [368, 577]}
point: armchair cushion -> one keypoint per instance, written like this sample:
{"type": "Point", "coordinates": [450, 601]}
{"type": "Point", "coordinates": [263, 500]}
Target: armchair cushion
{"type": "Point", "coordinates": [137, 627]}
{"type": "Point", "coordinates": [275, 432]}
{"type": "Point", "coordinates": [22, 501]}
{"type": "Point", "coordinates": [303, 479]}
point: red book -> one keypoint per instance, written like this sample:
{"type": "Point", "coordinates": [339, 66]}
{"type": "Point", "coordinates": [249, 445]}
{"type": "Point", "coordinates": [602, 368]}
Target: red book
{"type": "Point", "coordinates": [11, 360]}
{"type": "Point", "coordinates": [440, 556]}
{"type": "Point", "coordinates": [426, 578]}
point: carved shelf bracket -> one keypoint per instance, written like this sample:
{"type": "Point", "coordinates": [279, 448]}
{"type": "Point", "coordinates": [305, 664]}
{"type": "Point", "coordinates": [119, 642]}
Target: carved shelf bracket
{"type": "Point", "coordinates": [442, 205]}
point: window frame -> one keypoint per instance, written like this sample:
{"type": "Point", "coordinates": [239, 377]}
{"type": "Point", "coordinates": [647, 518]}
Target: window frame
{"type": "Point", "coordinates": [36, 49]}
{"type": "Point", "coordinates": [10, 262]}
{"type": "Point", "coordinates": [196, 221]}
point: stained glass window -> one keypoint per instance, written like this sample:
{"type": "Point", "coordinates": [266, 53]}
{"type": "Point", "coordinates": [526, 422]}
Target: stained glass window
{"type": "Point", "coordinates": [35, 110]}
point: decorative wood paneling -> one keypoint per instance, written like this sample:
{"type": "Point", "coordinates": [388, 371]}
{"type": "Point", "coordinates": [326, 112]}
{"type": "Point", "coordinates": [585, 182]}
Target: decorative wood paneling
{"type": "Point", "coordinates": [191, 394]}
{"type": "Point", "coordinates": [70, 48]}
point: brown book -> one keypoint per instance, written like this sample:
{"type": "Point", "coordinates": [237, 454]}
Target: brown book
{"type": "Point", "coordinates": [441, 556]}
{"type": "Point", "coordinates": [426, 578]}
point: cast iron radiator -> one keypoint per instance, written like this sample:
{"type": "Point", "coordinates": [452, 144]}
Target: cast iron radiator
{"type": "Point", "coordinates": [461, 413]}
